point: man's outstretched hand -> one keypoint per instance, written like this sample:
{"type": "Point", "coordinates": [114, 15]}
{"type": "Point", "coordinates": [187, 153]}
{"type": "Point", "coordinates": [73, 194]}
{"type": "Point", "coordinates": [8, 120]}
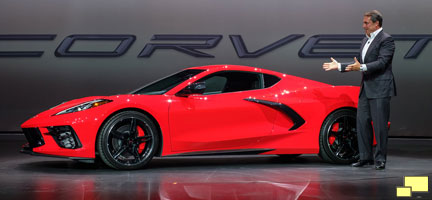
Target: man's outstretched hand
{"type": "Point", "coordinates": [353, 67]}
{"type": "Point", "coordinates": [330, 65]}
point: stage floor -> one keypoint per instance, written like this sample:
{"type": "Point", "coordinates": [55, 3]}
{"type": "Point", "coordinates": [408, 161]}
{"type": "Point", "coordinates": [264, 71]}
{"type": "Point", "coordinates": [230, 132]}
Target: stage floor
{"type": "Point", "coordinates": [229, 177]}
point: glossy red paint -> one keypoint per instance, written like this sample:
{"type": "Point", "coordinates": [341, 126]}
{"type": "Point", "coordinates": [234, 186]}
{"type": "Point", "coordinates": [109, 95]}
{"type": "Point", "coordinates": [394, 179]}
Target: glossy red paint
{"type": "Point", "coordinates": [210, 123]}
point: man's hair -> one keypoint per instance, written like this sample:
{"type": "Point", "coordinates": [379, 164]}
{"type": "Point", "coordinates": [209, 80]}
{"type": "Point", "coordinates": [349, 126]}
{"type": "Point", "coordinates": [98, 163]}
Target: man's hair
{"type": "Point", "coordinates": [375, 16]}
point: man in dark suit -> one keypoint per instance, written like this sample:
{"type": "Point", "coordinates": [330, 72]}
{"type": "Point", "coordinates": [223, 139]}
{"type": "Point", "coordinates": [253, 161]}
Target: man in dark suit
{"type": "Point", "coordinates": [377, 88]}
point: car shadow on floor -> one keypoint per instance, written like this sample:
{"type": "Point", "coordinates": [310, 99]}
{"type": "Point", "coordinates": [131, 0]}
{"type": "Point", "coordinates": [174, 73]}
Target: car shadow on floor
{"type": "Point", "coordinates": [179, 163]}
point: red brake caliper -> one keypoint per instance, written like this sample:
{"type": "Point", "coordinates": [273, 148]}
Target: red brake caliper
{"type": "Point", "coordinates": [332, 137]}
{"type": "Point", "coordinates": [140, 134]}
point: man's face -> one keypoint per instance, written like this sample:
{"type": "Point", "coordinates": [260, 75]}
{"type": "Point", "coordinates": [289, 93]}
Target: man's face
{"type": "Point", "coordinates": [369, 26]}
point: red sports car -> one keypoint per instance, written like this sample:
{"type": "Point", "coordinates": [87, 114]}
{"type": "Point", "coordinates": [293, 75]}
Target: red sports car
{"type": "Point", "coordinates": [207, 110]}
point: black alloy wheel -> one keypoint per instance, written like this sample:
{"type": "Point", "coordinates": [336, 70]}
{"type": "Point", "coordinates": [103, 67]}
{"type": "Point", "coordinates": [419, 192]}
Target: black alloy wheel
{"type": "Point", "coordinates": [128, 140]}
{"type": "Point", "coordinates": [338, 137]}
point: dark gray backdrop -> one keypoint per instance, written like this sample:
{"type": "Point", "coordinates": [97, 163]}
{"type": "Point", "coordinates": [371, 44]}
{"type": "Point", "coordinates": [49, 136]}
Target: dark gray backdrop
{"type": "Point", "coordinates": [31, 85]}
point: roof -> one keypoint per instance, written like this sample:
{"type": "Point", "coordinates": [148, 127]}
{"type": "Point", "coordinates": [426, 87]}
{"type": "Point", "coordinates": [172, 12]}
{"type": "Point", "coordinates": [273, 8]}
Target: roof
{"type": "Point", "coordinates": [221, 67]}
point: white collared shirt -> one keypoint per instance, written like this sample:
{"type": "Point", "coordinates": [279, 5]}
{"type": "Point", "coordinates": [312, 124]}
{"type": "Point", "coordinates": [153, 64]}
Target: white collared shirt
{"type": "Point", "coordinates": [366, 46]}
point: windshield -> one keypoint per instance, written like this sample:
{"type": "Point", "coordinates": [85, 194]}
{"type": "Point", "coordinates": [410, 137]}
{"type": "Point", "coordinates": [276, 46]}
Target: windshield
{"type": "Point", "coordinates": [163, 85]}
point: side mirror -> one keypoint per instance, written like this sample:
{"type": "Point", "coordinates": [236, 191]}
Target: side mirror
{"type": "Point", "coordinates": [194, 88]}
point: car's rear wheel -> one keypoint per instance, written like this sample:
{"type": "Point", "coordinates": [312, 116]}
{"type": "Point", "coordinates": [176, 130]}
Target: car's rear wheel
{"type": "Point", "coordinates": [128, 140]}
{"type": "Point", "coordinates": [338, 137]}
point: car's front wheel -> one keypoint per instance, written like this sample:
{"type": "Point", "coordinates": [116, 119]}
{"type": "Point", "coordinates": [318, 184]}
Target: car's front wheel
{"type": "Point", "coordinates": [128, 140]}
{"type": "Point", "coordinates": [338, 137]}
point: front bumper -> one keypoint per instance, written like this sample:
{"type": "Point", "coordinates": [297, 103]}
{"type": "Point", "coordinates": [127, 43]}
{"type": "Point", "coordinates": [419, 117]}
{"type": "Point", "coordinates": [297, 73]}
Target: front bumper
{"type": "Point", "coordinates": [68, 135]}
{"type": "Point", "coordinates": [34, 137]}
{"type": "Point", "coordinates": [29, 150]}
{"type": "Point", "coordinates": [61, 140]}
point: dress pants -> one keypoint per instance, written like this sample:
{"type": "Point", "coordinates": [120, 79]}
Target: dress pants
{"type": "Point", "coordinates": [376, 110]}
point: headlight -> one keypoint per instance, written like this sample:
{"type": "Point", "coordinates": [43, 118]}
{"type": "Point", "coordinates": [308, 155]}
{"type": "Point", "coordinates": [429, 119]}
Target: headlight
{"type": "Point", "coordinates": [85, 106]}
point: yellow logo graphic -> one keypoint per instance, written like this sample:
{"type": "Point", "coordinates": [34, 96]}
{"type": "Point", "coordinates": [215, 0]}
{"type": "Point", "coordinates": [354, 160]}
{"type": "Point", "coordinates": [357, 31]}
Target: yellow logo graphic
{"type": "Point", "coordinates": [412, 184]}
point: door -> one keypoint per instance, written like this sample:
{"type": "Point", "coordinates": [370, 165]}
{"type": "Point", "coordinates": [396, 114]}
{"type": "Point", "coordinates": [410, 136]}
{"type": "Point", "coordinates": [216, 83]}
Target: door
{"type": "Point", "coordinates": [222, 118]}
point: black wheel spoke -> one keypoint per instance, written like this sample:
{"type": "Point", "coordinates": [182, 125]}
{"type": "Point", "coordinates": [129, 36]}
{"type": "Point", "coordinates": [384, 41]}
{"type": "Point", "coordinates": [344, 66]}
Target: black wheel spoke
{"type": "Point", "coordinates": [135, 153]}
{"type": "Point", "coordinates": [118, 135]}
{"type": "Point", "coordinates": [340, 140]}
{"type": "Point", "coordinates": [133, 127]}
{"type": "Point", "coordinates": [339, 150]}
{"type": "Point", "coordinates": [338, 137]}
{"type": "Point", "coordinates": [143, 139]}
{"type": "Point", "coordinates": [346, 124]}
{"type": "Point", "coordinates": [340, 128]}
{"type": "Point", "coordinates": [119, 152]}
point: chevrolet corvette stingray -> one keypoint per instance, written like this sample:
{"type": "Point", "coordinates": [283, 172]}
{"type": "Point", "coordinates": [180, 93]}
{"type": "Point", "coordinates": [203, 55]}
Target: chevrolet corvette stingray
{"type": "Point", "coordinates": [206, 110]}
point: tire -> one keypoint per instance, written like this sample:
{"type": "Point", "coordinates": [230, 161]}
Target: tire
{"type": "Point", "coordinates": [128, 140]}
{"type": "Point", "coordinates": [338, 138]}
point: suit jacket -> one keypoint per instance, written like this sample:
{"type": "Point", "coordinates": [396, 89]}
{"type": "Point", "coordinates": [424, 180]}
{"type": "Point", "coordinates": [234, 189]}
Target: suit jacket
{"type": "Point", "coordinates": [378, 81]}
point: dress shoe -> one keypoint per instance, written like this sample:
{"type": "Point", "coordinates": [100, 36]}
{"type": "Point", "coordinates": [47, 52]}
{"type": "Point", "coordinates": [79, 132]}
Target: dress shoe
{"type": "Point", "coordinates": [361, 163]}
{"type": "Point", "coordinates": [379, 165]}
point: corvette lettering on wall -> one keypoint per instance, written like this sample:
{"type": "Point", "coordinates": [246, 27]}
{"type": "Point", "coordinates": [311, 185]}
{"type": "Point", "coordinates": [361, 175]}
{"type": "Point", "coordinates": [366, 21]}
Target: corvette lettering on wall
{"type": "Point", "coordinates": [316, 46]}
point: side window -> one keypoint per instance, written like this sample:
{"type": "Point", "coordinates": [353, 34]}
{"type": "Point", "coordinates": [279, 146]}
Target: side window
{"type": "Point", "coordinates": [215, 84]}
{"type": "Point", "coordinates": [232, 81]}
{"type": "Point", "coordinates": [270, 80]}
